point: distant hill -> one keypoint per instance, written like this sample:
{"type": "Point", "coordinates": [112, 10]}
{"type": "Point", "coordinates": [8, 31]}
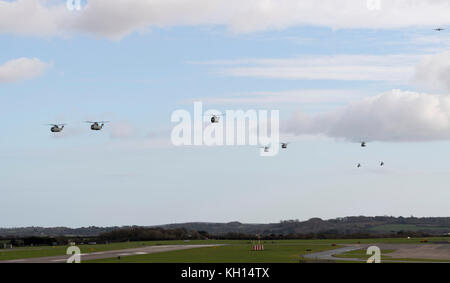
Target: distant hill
{"type": "Point", "coordinates": [54, 231]}
{"type": "Point", "coordinates": [346, 225]}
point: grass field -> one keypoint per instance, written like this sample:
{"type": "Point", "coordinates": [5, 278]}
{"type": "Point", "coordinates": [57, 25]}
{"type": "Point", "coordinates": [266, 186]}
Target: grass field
{"type": "Point", "coordinates": [235, 251]}
{"type": "Point", "coordinates": [287, 251]}
{"type": "Point", "coordinates": [45, 251]}
{"type": "Point", "coordinates": [241, 253]}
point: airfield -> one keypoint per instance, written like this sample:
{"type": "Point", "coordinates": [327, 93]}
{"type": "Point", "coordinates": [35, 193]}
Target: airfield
{"type": "Point", "coordinates": [241, 251]}
{"type": "Point", "coordinates": [109, 254]}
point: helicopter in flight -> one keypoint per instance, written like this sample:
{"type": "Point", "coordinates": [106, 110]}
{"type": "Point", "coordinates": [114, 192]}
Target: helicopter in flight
{"type": "Point", "coordinates": [439, 29]}
{"type": "Point", "coordinates": [56, 128]}
{"type": "Point", "coordinates": [97, 126]}
{"type": "Point", "coordinates": [284, 145]}
{"type": "Point", "coordinates": [359, 165]}
{"type": "Point", "coordinates": [382, 164]}
{"type": "Point", "coordinates": [215, 118]}
{"type": "Point", "coordinates": [363, 144]}
{"type": "Point", "coordinates": [266, 148]}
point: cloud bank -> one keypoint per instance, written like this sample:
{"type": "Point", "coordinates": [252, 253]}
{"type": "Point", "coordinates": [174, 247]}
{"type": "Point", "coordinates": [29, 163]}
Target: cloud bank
{"type": "Point", "coordinates": [22, 69]}
{"type": "Point", "coordinates": [118, 18]}
{"type": "Point", "coordinates": [392, 116]}
{"type": "Point", "coordinates": [433, 71]}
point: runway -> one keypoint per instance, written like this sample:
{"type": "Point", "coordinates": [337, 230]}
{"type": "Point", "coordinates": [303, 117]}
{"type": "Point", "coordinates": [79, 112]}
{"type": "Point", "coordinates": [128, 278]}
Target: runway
{"type": "Point", "coordinates": [328, 255]}
{"type": "Point", "coordinates": [109, 254]}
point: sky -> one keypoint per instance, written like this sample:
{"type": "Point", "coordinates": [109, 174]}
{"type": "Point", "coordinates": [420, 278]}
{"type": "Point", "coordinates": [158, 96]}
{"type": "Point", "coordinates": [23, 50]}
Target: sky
{"type": "Point", "coordinates": [339, 72]}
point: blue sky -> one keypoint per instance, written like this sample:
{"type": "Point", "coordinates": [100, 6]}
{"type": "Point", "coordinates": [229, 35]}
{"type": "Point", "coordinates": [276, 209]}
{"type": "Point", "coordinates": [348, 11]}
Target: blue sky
{"type": "Point", "coordinates": [332, 81]}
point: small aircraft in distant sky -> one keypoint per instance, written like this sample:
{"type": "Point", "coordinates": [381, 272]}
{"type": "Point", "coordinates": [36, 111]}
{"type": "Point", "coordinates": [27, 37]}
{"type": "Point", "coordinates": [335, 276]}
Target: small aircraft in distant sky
{"type": "Point", "coordinates": [266, 148]}
{"type": "Point", "coordinates": [97, 126]}
{"type": "Point", "coordinates": [382, 164]}
{"type": "Point", "coordinates": [216, 118]}
{"type": "Point", "coordinates": [439, 29]}
{"type": "Point", "coordinates": [284, 145]}
{"type": "Point", "coordinates": [56, 128]}
{"type": "Point", "coordinates": [359, 165]}
{"type": "Point", "coordinates": [363, 144]}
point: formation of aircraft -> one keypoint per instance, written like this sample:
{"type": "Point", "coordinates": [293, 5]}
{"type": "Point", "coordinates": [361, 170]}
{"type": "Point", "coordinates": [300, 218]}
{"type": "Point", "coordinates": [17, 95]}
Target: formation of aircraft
{"type": "Point", "coordinates": [95, 126]}
{"type": "Point", "coordinates": [267, 147]}
{"type": "Point", "coordinates": [364, 144]}
{"type": "Point", "coordinates": [359, 165]}
{"type": "Point", "coordinates": [98, 126]}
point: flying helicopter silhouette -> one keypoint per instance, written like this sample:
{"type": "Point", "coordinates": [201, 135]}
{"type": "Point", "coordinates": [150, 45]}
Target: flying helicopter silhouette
{"type": "Point", "coordinates": [266, 148]}
{"type": "Point", "coordinates": [97, 126]}
{"type": "Point", "coordinates": [56, 128]}
{"type": "Point", "coordinates": [439, 29]}
{"type": "Point", "coordinates": [215, 118]}
{"type": "Point", "coordinates": [284, 145]}
{"type": "Point", "coordinates": [363, 144]}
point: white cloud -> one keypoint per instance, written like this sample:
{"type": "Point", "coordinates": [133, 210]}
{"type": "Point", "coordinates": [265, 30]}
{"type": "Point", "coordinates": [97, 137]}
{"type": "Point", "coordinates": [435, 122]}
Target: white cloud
{"type": "Point", "coordinates": [118, 18]}
{"type": "Point", "coordinates": [394, 68]}
{"type": "Point", "coordinates": [391, 116]}
{"type": "Point", "coordinates": [433, 71]}
{"type": "Point", "coordinates": [21, 69]}
{"type": "Point", "coordinates": [30, 17]}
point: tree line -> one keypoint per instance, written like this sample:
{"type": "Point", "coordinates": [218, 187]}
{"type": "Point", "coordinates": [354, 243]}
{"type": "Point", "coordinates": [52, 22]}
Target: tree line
{"type": "Point", "coordinates": [160, 234]}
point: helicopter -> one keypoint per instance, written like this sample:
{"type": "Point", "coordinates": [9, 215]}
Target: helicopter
{"type": "Point", "coordinates": [363, 144]}
{"type": "Point", "coordinates": [382, 164]}
{"type": "Point", "coordinates": [439, 29]}
{"type": "Point", "coordinates": [97, 126]}
{"type": "Point", "coordinates": [56, 128]}
{"type": "Point", "coordinates": [284, 145]}
{"type": "Point", "coordinates": [359, 165]}
{"type": "Point", "coordinates": [266, 148]}
{"type": "Point", "coordinates": [215, 118]}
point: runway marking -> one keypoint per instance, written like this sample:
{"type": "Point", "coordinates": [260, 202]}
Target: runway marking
{"type": "Point", "coordinates": [111, 254]}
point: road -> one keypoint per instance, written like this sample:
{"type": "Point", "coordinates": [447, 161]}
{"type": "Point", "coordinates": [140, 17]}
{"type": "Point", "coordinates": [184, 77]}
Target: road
{"type": "Point", "coordinates": [328, 255]}
{"type": "Point", "coordinates": [109, 254]}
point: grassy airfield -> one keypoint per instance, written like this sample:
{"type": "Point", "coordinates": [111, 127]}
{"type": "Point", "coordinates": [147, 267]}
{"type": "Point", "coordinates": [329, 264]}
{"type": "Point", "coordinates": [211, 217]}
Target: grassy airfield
{"type": "Point", "coordinates": [238, 251]}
